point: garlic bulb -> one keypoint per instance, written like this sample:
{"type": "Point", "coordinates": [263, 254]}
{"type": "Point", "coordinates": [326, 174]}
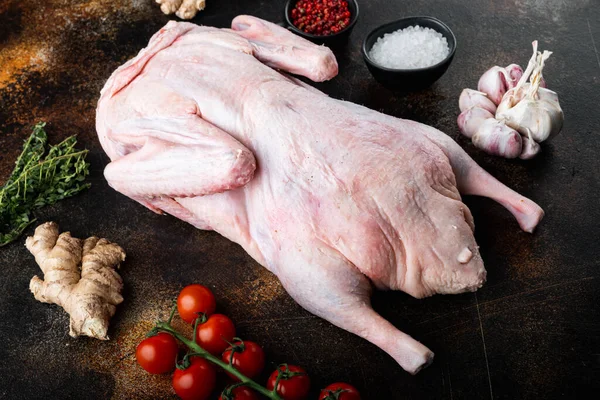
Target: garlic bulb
{"type": "Point", "coordinates": [529, 108]}
{"type": "Point", "coordinates": [496, 138]}
{"type": "Point", "coordinates": [470, 98]}
{"type": "Point", "coordinates": [470, 120]}
{"type": "Point", "coordinates": [542, 118]}
{"type": "Point", "coordinates": [512, 111]}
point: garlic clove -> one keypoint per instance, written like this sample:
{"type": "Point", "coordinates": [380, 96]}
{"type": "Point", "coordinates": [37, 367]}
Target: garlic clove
{"type": "Point", "coordinates": [469, 121]}
{"type": "Point", "coordinates": [470, 98]}
{"type": "Point", "coordinates": [493, 83]}
{"type": "Point", "coordinates": [530, 148]}
{"type": "Point", "coordinates": [514, 74]}
{"type": "Point", "coordinates": [509, 100]}
{"type": "Point", "coordinates": [495, 138]}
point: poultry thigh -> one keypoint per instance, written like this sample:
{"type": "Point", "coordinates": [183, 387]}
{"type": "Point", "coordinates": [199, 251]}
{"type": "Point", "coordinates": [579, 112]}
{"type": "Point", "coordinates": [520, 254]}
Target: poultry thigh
{"type": "Point", "coordinates": [332, 197]}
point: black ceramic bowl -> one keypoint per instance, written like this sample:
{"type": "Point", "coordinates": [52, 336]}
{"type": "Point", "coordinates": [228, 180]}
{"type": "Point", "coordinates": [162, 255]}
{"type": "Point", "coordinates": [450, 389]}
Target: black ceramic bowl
{"type": "Point", "coordinates": [406, 79]}
{"type": "Point", "coordinates": [328, 40]}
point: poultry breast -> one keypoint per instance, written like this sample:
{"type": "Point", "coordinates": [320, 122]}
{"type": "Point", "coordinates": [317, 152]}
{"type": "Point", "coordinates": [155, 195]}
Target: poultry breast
{"type": "Point", "coordinates": [332, 197]}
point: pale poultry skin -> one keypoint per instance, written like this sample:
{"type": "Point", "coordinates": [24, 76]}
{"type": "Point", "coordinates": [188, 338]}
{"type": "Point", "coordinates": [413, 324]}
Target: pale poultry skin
{"type": "Point", "coordinates": [330, 196]}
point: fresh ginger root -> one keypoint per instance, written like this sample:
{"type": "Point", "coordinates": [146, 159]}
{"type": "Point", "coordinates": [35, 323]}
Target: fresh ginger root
{"type": "Point", "coordinates": [184, 9]}
{"type": "Point", "coordinates": [79, 276]}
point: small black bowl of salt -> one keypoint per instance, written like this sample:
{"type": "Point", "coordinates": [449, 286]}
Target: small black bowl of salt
{"type": "Point", "coordinates": [410, 53]}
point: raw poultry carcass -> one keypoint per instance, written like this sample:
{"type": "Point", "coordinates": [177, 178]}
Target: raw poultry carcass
{"type": "Point", "coordinates": [332, 197]}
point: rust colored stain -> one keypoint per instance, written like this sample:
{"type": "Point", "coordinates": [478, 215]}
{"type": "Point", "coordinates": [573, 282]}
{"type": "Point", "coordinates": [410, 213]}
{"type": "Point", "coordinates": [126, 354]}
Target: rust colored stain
{"type": "Point", "coordinates": [16, 57]}
{"type": "Point", "coordinates": [265, 288]}
{"type": "Point", "coordinates": [54, 58]}
{"type": "Point", "coordinates": [524, 260]}
{"type": "Point", "coordinates": [117, 356]}
{"type": "Point", "coordinates": [32, 29]}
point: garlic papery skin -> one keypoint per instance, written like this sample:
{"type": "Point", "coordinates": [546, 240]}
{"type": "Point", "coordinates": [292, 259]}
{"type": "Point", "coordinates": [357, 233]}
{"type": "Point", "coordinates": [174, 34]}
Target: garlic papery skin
{"type": "Point", "coordinates": [548, 96]}
{"type": "Point", "coordinates": [469, 121]}
{"type": "Point", "coordinates": [531, 65]}
{"type": "Point", "coordinates": [493, 83]}
{"type": "Point", "coordinates": [514, 74]}
{"type": "Point", "coordinates": [470, 98]}
{"type": "Point", "coordinates": [495, 138]}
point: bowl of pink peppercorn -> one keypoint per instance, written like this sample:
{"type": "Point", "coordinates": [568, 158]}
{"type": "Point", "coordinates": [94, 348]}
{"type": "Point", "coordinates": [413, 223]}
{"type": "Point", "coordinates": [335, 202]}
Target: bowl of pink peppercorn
{"type": "Point", "coordinates": [327, 22]}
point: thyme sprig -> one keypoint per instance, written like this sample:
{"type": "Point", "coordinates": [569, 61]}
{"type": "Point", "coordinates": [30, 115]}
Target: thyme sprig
{"type": "Point", "coordinates": [40, 178]}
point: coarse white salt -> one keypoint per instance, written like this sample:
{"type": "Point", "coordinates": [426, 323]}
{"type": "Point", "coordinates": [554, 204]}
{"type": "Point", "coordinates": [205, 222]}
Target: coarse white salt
{"type": "Point", "coordinates": [410, 48]}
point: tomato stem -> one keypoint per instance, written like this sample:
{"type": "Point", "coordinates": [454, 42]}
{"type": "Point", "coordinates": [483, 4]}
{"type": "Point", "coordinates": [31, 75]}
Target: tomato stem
{"type": "Point", "coordinates": [279, 376]}
{"type": "Point", "coordinates": [172, 313]}
{"type": "Point", "coordinates": [227, 393]}
{"type": "Point", "coordinates": [284, 375]}
{"type": "Point", "coordinates": [236, 385]}
{"type": "Point", "coordinates": [331, 395]}
{"type": "Point", "coordinates": [199, 351]}
{"type": "Point", "coordinates": [196, 322]}
{"type": "Point", "coordinates": [235, 347]}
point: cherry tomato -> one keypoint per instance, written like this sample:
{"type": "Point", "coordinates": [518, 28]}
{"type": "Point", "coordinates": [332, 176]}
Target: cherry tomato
{"type": "Point", "coordinates": [240, 393]}
{"type": "Point", "coordinates": [194, 299]}
{"type": "Point", "coordinates": [295, 387]}
{"type": "Point", "coordinates": [339, 391]}
{"type": "Point", "coordinates": [197, 381]}
{"type": "Point", "coordinates": [214, 334]}
{"type": "Point", "coordinates": [157, 354]}
{"type": "Point", "coordinates": [248, 358]}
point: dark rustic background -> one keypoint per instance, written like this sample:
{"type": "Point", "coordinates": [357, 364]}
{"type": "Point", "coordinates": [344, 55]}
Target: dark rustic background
{"type": "Point", "coordinates": [532, 332]}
